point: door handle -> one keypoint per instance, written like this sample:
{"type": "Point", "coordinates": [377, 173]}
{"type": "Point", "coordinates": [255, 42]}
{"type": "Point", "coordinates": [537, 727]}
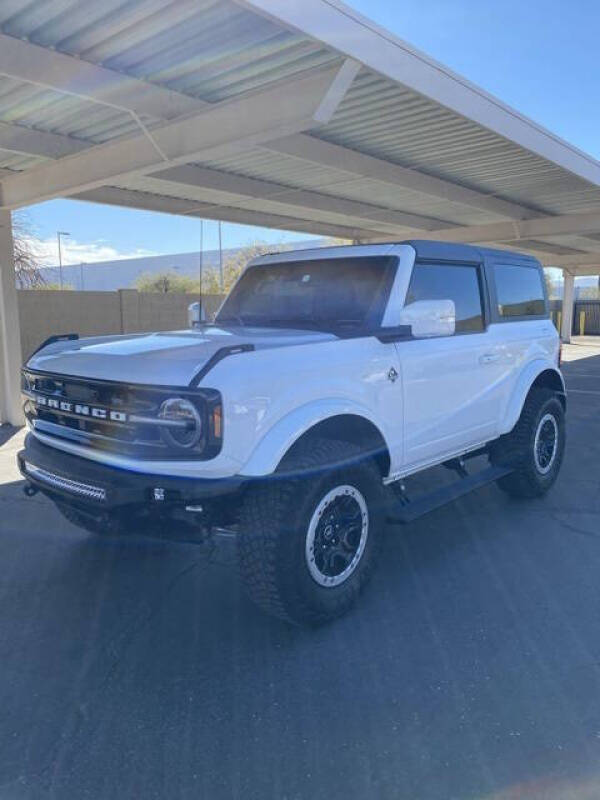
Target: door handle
{"type": "Point", "coordinates": [489, 358]}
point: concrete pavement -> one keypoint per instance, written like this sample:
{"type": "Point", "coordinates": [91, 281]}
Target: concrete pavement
{"type": "Point", "coordinates": [470, 669]}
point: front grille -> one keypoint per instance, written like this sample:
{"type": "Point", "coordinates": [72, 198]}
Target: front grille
{"type": "Point", "coordinates": [66, 484]}
{"type": "Point", "coordinates": [126, 420]}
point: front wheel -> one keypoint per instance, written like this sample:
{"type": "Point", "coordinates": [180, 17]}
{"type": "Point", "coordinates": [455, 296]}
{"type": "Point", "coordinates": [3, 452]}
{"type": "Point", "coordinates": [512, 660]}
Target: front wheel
{"type": "Point", "coordinates": [535, 446]}
{"type": "Point", "coordinates": [309, 541]}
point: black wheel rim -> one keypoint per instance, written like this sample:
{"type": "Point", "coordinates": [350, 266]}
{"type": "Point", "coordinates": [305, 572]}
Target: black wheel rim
{"type": "Point", "coordinates": [337, 535]}
{"type": "Point", "coordinates": [546, 442]}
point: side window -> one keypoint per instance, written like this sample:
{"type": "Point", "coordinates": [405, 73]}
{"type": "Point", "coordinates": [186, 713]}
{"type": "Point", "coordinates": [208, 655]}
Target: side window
{"type": "Point", "coordinates": [450, 282]}
{"type": "Point", "coordinates": [519, 291]}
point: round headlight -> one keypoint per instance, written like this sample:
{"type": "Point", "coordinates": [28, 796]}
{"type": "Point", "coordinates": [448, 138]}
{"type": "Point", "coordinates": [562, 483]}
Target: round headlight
{"type": "Point", "coordinates": [185, 429]}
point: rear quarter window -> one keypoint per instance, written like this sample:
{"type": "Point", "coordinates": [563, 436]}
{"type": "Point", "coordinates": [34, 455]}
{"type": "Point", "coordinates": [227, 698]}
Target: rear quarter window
{"type": "Point", "coordinates": [519, 291]}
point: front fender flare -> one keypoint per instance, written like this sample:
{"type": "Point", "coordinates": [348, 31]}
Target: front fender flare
{"type": "Point", "coordinates": [521, 390]}
{"type": "Point", "coordinates": [281, 436]}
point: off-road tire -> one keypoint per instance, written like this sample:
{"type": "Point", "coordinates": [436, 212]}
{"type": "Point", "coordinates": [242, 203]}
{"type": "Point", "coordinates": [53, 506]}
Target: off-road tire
{"type": "Point", "coordinates": [517, 448]}
{"type": "Point", "coordinates": [274, 522]}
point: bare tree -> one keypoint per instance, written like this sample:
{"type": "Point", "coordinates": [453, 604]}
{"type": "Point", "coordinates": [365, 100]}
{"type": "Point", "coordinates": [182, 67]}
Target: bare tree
{"type": "Point", "coordinates": [27, 256]}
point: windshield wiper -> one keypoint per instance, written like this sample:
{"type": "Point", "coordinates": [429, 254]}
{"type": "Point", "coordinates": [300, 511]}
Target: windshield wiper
{"type": "Point", "coordinates": [300, 323]}
{"type": "Point", "coordinates": [232, 318]}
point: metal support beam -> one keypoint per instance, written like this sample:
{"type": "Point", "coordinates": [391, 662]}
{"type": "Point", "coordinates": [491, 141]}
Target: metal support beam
{"type": "Point", "coordinates": [577, 262]}
{"type": "Point", "coordinates": [568, 304]}
{"type": "Point", "coordinates": [527, 229]}
{"type": "Point", "coordinates": [585, 270]}
{"type": "Point", "coordinates": [63, 73]}
{"type": "Point", "coordinates": [334, 156]}
{"type": "Point", "coordinates": [587, 244]}
{"type": "Point", "coordinates": [243, 189]}
{"type": "Point", "coordinates": [30, 142]}
{"type": "Point", "coordinates": [10, 332]}
{"type": "Point", "coordinates": [216, 132]}
{"type": "Point", "coordinates": [171, 205]}
{"type": "Point", "coordinates": [337, 91]}
{"type": "Point", "coordinates": [260, 219]}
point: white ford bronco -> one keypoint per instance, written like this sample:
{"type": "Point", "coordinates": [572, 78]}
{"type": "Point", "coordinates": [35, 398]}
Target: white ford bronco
{"type": "Point", "coordinates": [295, 419]}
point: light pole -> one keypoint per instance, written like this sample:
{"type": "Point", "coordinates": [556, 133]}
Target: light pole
{"type": "Point", "coordinates": [58, 235]}
{"type": "Point", "coordinates": [221, 281]}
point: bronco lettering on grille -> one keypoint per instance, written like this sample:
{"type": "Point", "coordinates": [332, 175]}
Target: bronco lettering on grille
{"type": "Point", "coordinates": [79, 409]}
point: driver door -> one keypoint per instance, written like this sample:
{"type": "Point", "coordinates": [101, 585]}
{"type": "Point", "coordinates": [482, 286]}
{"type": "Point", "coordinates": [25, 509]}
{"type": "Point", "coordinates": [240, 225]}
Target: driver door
{"type": "Point", "coordinates": [450, 383]}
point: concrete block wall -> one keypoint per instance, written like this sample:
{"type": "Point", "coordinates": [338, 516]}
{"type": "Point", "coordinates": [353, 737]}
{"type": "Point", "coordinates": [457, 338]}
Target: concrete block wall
{"type": "Point", "coordinates": [46, 313]}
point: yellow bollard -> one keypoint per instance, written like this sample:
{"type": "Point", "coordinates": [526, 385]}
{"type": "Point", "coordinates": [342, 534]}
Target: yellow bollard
{"type": "Point", "coordinates": [559, 318]}
{"type": "Point", "coordinates": [582, 323]}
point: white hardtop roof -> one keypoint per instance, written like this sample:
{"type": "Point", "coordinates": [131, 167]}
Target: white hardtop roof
{"type": "Point", "coordinates": [292, 115]}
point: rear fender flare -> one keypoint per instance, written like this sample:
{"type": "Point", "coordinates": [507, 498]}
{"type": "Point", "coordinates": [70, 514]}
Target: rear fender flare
{"type": "Point", "coordinates": [520, 392]}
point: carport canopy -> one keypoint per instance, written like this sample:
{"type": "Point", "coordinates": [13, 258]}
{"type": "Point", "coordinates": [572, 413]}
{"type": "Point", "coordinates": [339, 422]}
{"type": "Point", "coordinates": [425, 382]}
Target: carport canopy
{"type": "Point", "coordinates": [294, 114]}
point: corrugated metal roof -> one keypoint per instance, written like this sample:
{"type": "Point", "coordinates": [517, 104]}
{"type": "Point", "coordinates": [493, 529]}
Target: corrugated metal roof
{"type": "Point", "coordinates": [297, 173]}
{"type": "Point", "coordinates": [389, 122]}
{"type": "Point", "coordinates": [214, 50]}
{"type": "Point", "coordinates": [16, 161]}
{"type": "Point", "coordinates": [209, 49]}
{"type": "Point", "coordinates": [45, 110]}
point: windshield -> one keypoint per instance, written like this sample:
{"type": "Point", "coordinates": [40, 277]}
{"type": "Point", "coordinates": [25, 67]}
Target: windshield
{"type": "Point", "coordinates": [332, 294]}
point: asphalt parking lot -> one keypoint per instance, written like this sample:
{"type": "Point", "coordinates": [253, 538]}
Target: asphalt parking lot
{"type": "Point", "coordinates": [471, 668]}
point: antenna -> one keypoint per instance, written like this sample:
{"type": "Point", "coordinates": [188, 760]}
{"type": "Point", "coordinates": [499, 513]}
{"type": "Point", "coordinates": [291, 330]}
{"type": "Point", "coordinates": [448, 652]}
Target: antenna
{"type": "Point", "coordinates": [200, 265]}
{"type": "Point", "coordinates": [221, 281]}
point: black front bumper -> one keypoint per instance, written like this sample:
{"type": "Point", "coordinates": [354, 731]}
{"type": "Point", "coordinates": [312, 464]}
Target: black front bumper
{"type": "Point", "coordinates": [99, 488]}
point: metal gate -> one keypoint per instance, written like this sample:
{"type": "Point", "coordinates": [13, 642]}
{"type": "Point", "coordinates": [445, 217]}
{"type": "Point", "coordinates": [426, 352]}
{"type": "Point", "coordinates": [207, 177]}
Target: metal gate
{"type": "Point", "coordinates": [586, 319]}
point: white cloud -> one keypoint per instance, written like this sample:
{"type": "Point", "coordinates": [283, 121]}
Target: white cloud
{"type": "Point", "coordinates": [74, 252]}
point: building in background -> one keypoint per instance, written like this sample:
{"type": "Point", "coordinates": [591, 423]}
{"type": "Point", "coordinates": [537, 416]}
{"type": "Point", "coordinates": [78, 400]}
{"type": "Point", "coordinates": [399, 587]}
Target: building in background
{"type": "Point", "coordinates": [107, 276]}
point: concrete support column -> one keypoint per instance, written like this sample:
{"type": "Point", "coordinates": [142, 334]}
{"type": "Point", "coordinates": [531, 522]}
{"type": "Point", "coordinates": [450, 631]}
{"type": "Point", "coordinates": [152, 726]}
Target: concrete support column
{"type": "Point", "coordinates": [10, 333]}
{"type": "Point", "coordinates": [567, 307]}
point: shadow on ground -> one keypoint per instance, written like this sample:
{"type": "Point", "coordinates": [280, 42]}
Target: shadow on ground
{"type": "Point", "coordinates": [470, 669]}
{"type": "Point", "coordinates": [6, 433]}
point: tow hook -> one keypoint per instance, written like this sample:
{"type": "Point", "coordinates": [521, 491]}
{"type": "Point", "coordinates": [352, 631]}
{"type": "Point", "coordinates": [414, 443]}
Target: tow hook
{"type": "Point", "coordinates": [30, 490]}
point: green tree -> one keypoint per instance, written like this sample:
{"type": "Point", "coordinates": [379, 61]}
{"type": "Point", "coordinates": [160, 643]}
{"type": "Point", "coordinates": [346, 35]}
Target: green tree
{"type": "Point", "coordinates": [588, 293]}
{"type": "Point", "coordinates": [233, 265]}
{"type": "Point", "coordinates": [211, 282]}
{"type": "Point", "coordinates": [335, 241]}
{"type": "Point", "coordinates": [236, 262]}
{"type": "Point", "coordinates": [163, 282]}
{"type": "Point", "coordinates": [551, 286]}
{"type": "Point", "coordinates": [55, 287]}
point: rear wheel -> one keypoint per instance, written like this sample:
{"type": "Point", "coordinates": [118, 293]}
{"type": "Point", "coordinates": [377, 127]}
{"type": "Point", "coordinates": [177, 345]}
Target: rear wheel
{"type": "Point", "coordinates": [534, 447]}
{"type": "Point", "coordinates": [309, 539]}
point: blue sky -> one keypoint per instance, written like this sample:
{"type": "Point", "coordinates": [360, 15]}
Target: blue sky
{"type": "Point", "coordinates": [541, 57]}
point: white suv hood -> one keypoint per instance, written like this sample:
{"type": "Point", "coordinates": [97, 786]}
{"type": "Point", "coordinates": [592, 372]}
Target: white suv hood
{"type": "Point", "coordinates": [167, 359]}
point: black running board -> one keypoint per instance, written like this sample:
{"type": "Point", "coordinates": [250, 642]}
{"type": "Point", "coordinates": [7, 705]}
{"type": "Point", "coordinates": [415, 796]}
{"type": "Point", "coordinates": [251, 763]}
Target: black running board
{"type": "Point", "coordinates": [404, 511]}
